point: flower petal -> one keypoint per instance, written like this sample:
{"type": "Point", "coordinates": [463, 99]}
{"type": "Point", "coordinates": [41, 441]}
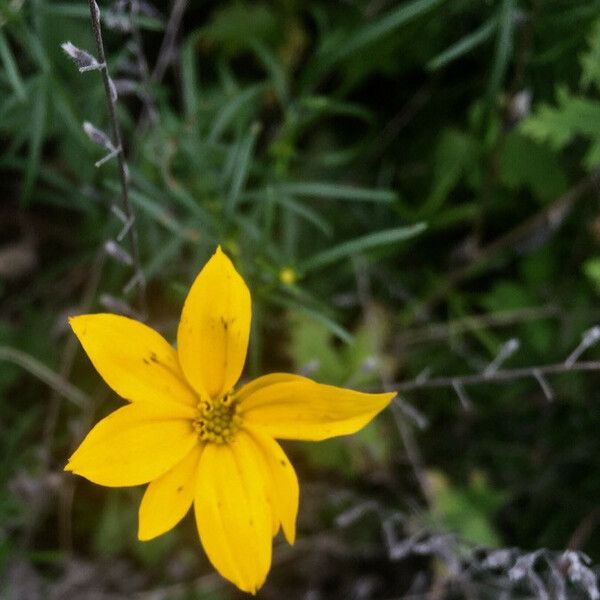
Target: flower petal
{"type": "Point", "coordinates": [133, 359]}
{"type": "Point", "coordinates": [215, 324]}
{"type": "Point", "coordinates": [133, 445]}
{"type": "Point", "coordinates": [284, 490]}
{"type": "Point", "coordinates": [305, 410]}
{"type": "Point", "coordinates": [168, 498]}
{"type": "Point", "coordinates": [233, 512]}
{"type": "Point", "coordinates": [260, 382]}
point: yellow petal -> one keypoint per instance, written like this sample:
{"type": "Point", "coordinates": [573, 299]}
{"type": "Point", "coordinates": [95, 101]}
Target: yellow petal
{"type": "Point", "coordinates": [263, 381]}
{"type": "Point", "coordinates": [233, 512]}
{"type": "Point", "coordinates": [168, 498]}
{"type": "Point", "coordinates": [284, 490]}
{"type": "Point", "coordinates": [133, 445]}
{"type": "Point", "coordinates": [212, 339]}
{"type": "Point", "coordinates": [304, 410]}
{"type": "Point", "coordinates": [133, 359]}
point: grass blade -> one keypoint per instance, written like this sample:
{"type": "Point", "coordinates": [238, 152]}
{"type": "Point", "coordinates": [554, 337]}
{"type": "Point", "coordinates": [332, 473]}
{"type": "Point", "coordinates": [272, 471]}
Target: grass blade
{"type": "Point", "coordinates": [334, 191]}
{"type": "Point", "coordinates": [329, 324]}
{"type": "Point", "coordinates": [230, 109]}
{"type": "Point", "coordinates": [43, 373]}
{"type": "Point", "coordinates": [241, 166]}
{"type": "Point", "coordinates": [37, 132]}
{"type": "Point", "coordinates": [464, 45]}
{"type": "Point", "coordinates": [373, 240]}
{"type": "Point", "coordinates": [370, 33]}
{"type": "Point", "coordinates": [10, 66]}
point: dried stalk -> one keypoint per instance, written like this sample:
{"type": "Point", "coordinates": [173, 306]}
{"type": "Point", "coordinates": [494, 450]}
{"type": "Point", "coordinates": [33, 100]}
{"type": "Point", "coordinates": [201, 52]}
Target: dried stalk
{"type": "Point", "coordinates": [120, 155]}
{"type": "Point", "coordinates": [497, 376]}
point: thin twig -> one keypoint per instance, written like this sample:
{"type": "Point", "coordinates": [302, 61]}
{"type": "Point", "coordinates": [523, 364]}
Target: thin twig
{"type": "Point", "coordinates": [524, 52]}
{"type": "Point", "coordinates": [165, 57]}
{"type": "Point", "coordinates": [413, 453]}
{"type": "Point", "coordinates": [505, 375]}
{"type": "Point", "coordinates": [118, 144]}
{"type": "Point", "coordinates": [165, 54]}
{"type": "Point", "coordinates": [149, 104]}
{"type": "Point", "coordinates": [584, 530]}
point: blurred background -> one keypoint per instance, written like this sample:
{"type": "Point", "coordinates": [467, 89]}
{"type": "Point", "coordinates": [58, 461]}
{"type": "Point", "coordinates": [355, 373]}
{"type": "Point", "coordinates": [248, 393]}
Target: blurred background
{"type": "Point", "coordinates": [410, 190]}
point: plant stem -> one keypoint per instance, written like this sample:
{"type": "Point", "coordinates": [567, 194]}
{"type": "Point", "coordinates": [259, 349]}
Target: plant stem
{"type": "Point", "coordinates": [123, 171]}
{"type": "Point", "coordinates": [504, 375]}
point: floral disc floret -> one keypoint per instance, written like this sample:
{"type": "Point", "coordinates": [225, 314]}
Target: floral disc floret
{"type": "Point", "coordinates": [217, 420]}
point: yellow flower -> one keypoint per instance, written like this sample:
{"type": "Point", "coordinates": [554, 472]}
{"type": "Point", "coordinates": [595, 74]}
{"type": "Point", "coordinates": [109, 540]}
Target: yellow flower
{"type": "Point", "coordinates": [198, 441]}
{"type": "Point", "coordinates": [287, 276]}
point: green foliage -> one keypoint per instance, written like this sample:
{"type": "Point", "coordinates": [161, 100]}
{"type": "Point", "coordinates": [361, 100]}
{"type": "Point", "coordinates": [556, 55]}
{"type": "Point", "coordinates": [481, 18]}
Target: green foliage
{"type": "Point", "coordinates": [530, 165]}
{"type": "Point", "coordinates": [468, 511]}
{"type": "Point", "coordinates": [590, 60]}
{"type": "Point", "coordinates": [591, 268]}
{"type": "Point", "coordinates": [574, 115]}
{"type": "Point", "coordinates": [559, 126]}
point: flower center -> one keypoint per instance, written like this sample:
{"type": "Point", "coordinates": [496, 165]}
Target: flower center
{"type": "Point", "coordinates": [217, 420]}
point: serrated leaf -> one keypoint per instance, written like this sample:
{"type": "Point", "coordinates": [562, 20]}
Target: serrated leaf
{"type": "Point", "coordinates": [559, 125]}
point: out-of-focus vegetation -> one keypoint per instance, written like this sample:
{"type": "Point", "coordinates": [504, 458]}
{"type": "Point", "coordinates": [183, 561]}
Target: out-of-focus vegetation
{"type": "Point", "coordinates": [405, 186]}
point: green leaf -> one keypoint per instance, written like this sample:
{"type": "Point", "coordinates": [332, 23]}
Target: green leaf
{"type": "Point", "coordinates": [334, 191]}
{"type": "Point", "coordinates": [311, 343]}
{"type": "Point", "coordinates": [12, 70]}
{"type": "Point", "coordinates": [464, 46]}
{"type": "Point", "coordinates": [189, 77]}
{"type": "Point", "coordinates": [309, 215]}
{"type": "Point", "coordinates": [241, 166]}
{"type": "Point", "coordinates": [389, 22]}
{"type": "Point", "coordinates": [590, 60]}
{"type": "Point", "coordinates": [456, 157]}
{"type": "Point", "coordinates": [232, 108]}
{"type": "Point", "coordinates": [504, 49]}
{"type": "Point", "coordinates": [36, 137]}
{"type": "Point", "coordinates": [274, 69]}
{"type": "Point", "coordinates": [558, 125]}
{"type": "Point", "coordinates": [591, 268]}
{"type": "Point", "coordinates": [317, 316]}
{"type": "Point", "coordinates": [467, 511]}
{"type": "Point", "coordinates": [507, 295]}
{"type": "Point", "coordinates": [331, 106]}
{"type": "Point", "coordinates": [526, 163]}
{"type": "Point", "coordinates": [361, 244]}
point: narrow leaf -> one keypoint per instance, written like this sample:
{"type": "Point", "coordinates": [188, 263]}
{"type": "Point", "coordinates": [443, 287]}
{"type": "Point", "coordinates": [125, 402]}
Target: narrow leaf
{"type": "Point", "coordinates": [334, 191]}
{"type": "Point", "coordinates": [373, 240]}
{"type": "Point", "coordinates": [464, 45]}
{"type": "Point", "coordinates": [12, 70]}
